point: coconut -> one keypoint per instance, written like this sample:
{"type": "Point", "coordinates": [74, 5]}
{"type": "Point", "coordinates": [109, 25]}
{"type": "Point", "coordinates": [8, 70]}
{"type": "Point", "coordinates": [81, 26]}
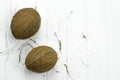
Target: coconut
{"type": "Point", "coordinates": [41, 59]}
{"type": "Point", "coordinates": [25, 23]}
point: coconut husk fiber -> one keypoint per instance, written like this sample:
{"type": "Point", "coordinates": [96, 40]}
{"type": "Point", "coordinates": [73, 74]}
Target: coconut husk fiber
{"type": "Point", "coordinates": [25, 23]}
{"type": "Point", "coordinates": [41, 59]}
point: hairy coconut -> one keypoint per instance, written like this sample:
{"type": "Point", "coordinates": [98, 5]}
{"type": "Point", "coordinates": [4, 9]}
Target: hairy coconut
{"type": "Point", "coordinates": [41, 59]}
{"type": "Point", "coordinates": [25, 23]}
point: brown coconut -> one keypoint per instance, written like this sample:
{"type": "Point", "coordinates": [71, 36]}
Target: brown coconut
{"type": "Point", "coordinates": [25, 23]}
{"type": "Point", "coordinates": [41, 59]}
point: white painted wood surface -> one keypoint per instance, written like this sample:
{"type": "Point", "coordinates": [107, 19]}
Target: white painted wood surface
{"type": "Point", "coordinates": [88, 30]}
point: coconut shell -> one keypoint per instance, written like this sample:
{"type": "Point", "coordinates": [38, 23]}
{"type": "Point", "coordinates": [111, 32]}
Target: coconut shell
{"type": "Point", "coordinates": [25, 23]}
{"type": "Point", "coordinates": [41, 59]}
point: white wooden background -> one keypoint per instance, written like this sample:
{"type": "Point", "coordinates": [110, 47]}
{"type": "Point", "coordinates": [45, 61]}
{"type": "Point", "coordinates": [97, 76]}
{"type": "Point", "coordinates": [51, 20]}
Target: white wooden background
{"type": "Point", "coordinates": [88, 31]}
